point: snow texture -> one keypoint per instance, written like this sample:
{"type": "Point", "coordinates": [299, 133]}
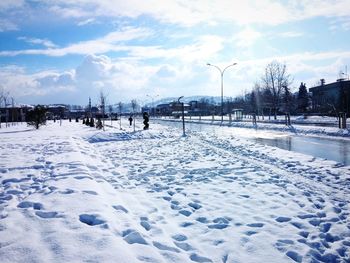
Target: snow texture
{"type": "Point", "coordinates": [71, 193]}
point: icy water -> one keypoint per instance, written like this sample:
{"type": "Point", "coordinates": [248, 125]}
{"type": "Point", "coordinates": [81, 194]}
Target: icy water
{"type": "Point", "coordinates": [332, 149]}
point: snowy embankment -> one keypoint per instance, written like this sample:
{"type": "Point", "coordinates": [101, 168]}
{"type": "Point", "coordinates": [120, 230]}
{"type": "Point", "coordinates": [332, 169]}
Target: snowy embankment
{"type": "Point", "coordinates": [71, 193]}
{"type": "Point", "coordinates": [305, 127]}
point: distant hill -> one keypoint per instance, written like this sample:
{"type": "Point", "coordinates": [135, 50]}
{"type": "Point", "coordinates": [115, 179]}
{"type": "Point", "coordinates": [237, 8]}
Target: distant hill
{"type": "Point", "coordinates": [215, 99]}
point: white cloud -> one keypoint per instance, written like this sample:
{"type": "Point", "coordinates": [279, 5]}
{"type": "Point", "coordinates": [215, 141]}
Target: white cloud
{"type": "Point", "coordinates": [291, 34]}
{"type": "Point", "coordinates": [7, 25]}
{"type": "Point", "coordinates": [185, 13]}
{"type": "Point", "coordinates": [70, 11]}
{"type": "Point", "coordinates": [193, 12]}
{"type": "Point", "coordinates": [200, 50]}
{"type": "Point", "coordinates": [9, 4]}
{"type": "Point", "coordinates": [111, 42]}
{"type": "Point", "coordinates": [37, 41]}
{"type": "Point", "coordinates": [341, 23]}
{"type": "Point", "coordinates": [246, 37]}
{"type": "Point", "coordinates": [166, 71]}
{"type": "Point", "coordinates": [125, 80]}
{"type": "Point", "coordinates": [87, 22]}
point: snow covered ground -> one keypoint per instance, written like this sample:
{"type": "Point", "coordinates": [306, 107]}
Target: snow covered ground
{"type": "Point", "coordinates": [72, 193]}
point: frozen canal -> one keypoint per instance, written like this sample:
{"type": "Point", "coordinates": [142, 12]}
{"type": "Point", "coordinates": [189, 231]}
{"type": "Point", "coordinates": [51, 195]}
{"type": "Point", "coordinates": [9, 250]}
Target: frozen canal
{"type": "Point", "coordinates": [336, 149]}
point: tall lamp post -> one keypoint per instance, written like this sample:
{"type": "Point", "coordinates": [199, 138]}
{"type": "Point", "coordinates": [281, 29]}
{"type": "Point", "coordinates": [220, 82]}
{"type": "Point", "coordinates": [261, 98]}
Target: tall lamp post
{"type": "Point", "coordinates": [152, 98]}
{"type": "Point", "coordinates": [222, 86]}
{"type": "Point", "coordinates": [183, 115]}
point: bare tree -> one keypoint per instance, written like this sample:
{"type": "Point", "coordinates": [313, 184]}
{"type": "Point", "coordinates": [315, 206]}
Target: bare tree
{"type": "Point", "coordinates": [120, 108]}
{"type": "Point", "coordinates": [110, 110]}
{"type": "Point", "coordinates": [134, 105]}
{"type": "Point", "coordinates": [4, 96]}
{"type": "Point", "coordinates": [275, 80]}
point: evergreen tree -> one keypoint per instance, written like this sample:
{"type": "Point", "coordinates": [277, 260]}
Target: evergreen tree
{"type": "Point", "coordinates": [303, 98]}
{"type": "Point", "coordinates": [253, 102]}
{"type": "Point", "coordinates": [287, 99]}
{"type": "Point", "coordinates": [37, 116]}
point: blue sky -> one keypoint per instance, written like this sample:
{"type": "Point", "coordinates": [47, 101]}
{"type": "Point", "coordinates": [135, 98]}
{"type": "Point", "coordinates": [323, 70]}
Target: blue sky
{"type": "Point", "coordinates": [65, 51]}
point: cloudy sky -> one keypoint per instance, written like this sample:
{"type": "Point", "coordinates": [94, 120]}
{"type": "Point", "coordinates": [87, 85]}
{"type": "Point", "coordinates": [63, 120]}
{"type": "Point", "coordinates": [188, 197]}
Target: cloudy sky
{"type": "Point", "coordinates": [63, 51]}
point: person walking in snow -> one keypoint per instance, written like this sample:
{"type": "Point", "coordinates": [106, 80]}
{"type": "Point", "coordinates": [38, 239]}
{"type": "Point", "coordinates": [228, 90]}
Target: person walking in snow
{"type": "Point", "coordinates": [130, 120]}
{"type": "Point", "coordinates": [145, 121]}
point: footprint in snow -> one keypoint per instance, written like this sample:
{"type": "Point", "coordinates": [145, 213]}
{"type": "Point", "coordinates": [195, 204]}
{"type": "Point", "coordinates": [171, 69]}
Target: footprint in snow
{"type": "Point", "coordinates": [282, 219]}
{"type": "Point", "coordinates": [186, 224]}
{"type": "Point", "coordinates": [28, 204]}
{"type": "Point", "coordinates": [195, 205]}
{"type": "Point", "coordinates": [258, 225]}
{"type": "Point", "coordinates": [175, 207]}
{"type": "Point", "coordinates": [250, 233]}
{"type": "Point", "coordinates": [14, 180]}
{"type": "Point", "coordinates": [196, 258]}
{"type": "Point", "coordinates": [179, 237]}
{"type": "Point", "coordinates": [67, 192]}
{"type": "Point", "coordinates": [202, 219]}
{"type": "Point", "coordinates": [161, 246]}
{"type": "Point", "coordinates": [14, 192]}
{"type": "Point", "coordinates": [167, 198]}
{"type": "Point", "coordinates": [131, 236]}
{"type": "Point", "coordinates": [82, 177]}
{"type": "Point", "coordinates": [184, 246]}
{"type": "Point", "coordinates": [91, 220]}
{"type": "Point", "coordinates": [47, 215]}
{"type": "Point", "coordinates": [295, 256]}
{"type": "Point", "coordinates": [145, 223]}
{"type": "Point", "coordinates": [218, 226]}
{"type": "Point", "coordinates": [185, 212]}
{"type": "Point", "coordinates": [120, 208]}
{"type": "Point", "coordinates": [90, 192]}
{"type": "Point", "coordinates": [325, 227]}
{"type": "Point", "coordinates": [304, 234]}
{"type": "Point", "coordinates": [297, 225]}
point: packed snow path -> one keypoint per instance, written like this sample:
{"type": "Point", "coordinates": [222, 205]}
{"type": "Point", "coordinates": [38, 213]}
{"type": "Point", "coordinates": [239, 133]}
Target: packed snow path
{"type": "Point", "coordinates": [73, 194]}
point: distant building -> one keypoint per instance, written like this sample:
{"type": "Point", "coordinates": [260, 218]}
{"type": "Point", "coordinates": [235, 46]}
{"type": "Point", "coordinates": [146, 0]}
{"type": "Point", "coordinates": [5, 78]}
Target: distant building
{"type": "Point", "coordinates": [17, 113]}
{"type": "Point", "coordinates": [176, 108]}
{"type": "Point", "coordinates": [56, 111]}
{"type": "Point", "coordinates": [164, 109]}
{"type": "Point", "coordinates": [331, 98]}
{"type": "Point", "coordinates": [77, 113]}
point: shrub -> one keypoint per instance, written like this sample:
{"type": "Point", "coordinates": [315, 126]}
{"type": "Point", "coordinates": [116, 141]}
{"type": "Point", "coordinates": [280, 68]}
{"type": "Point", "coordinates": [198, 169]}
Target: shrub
{"type": "Point", "coordinates": [37, 116]}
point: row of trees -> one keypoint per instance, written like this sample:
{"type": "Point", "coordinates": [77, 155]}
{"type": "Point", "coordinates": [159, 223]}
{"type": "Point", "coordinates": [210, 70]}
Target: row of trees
{"type": "Point", "coordinates": [272, 94]}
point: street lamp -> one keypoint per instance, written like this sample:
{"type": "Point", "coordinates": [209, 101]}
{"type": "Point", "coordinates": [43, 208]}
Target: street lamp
{"type": "Point", "coordinates": [183, 115]}
{"type": "Point", "coordinates": [152, 98]}
{"type": "Point", "coordinates": [222, 86]}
